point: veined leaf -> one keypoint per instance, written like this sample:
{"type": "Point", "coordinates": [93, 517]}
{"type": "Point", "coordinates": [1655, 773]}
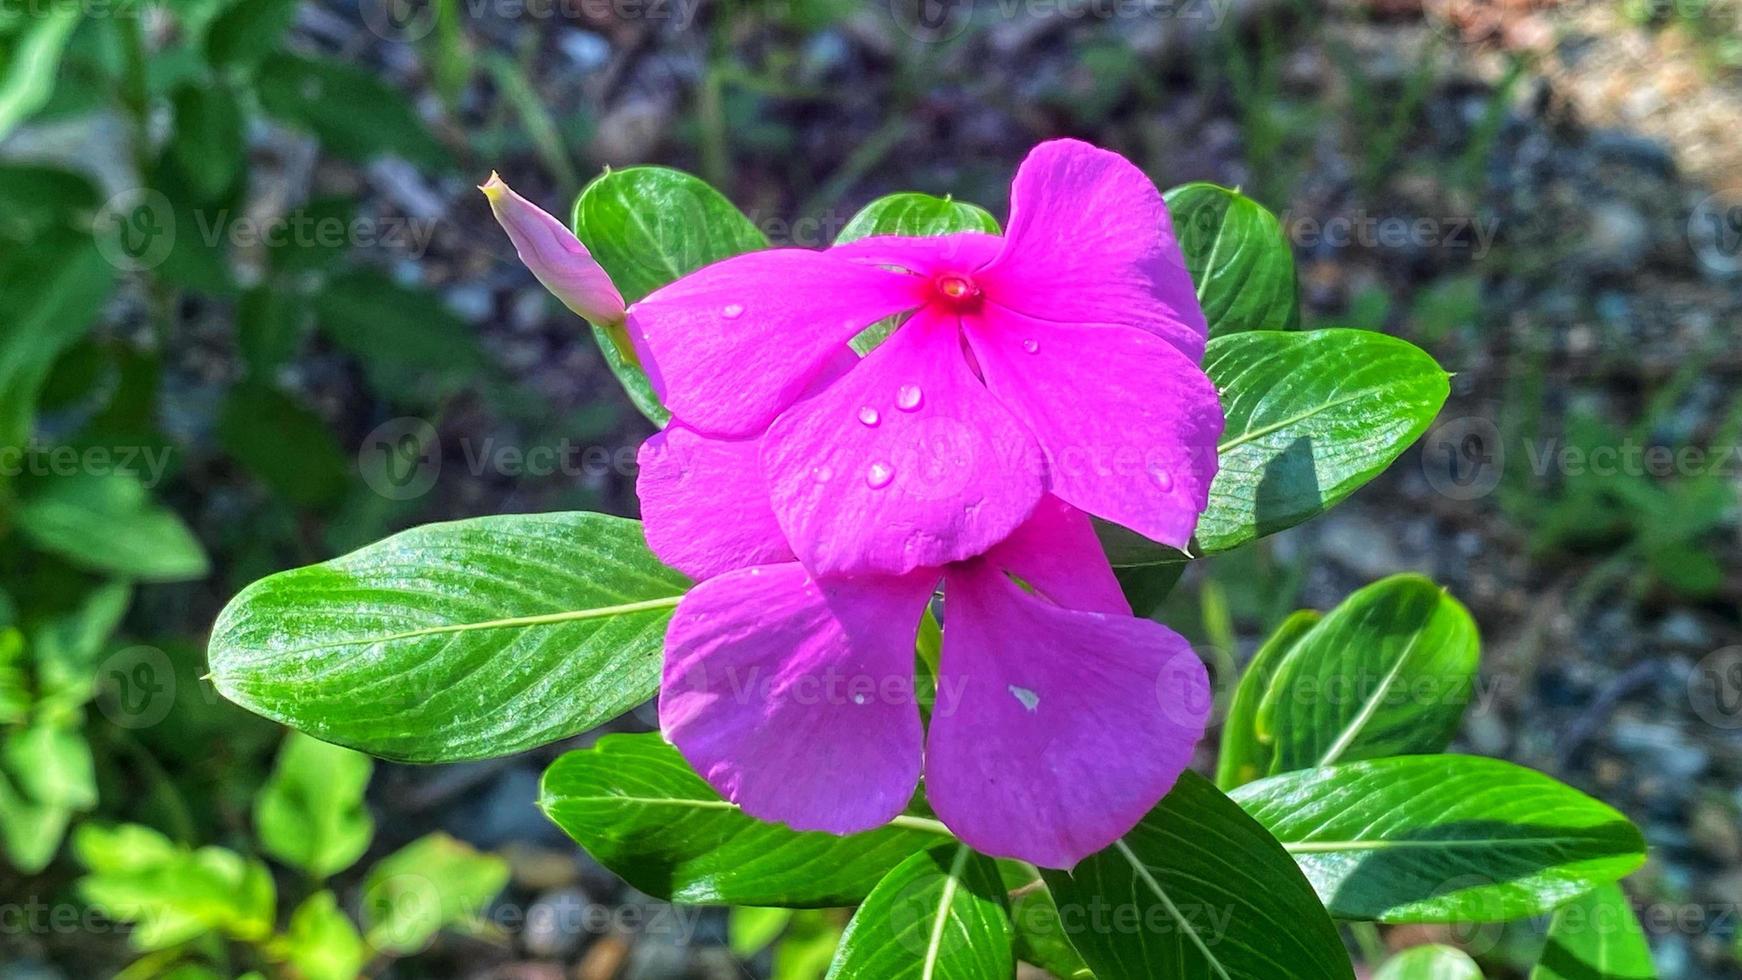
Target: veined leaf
{"type": "Point", "coordinates": [1311, 417]}
{"type": "Point", "coordinates": [1387, 672]}
{"type": "Point", "coordinates": [940, 913]}
{"type": "Point", "coordinates": [1443, 838]}
{"type": "Point", "coordinates": [1202, 888]}
{"type": "Point", "coordinates": [1239, 258]}
{"type": "Point", "coordinates": [637, 807]}
{"type": "Point", "coordinates": [1596, 937]}
{"type": "Point", "coordinates": [455, 641]}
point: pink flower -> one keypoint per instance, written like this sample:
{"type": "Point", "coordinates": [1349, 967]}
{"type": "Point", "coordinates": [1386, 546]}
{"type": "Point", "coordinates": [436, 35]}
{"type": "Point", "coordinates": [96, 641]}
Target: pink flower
{"type": "Point", "coordinates": [1059, 359]}
{"type": "Point", "coordinates": [1060, 718]}
{"type": "Point", "coordinates": [556, 257]}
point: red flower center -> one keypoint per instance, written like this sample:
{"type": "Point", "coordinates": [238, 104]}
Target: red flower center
{"type": "Point", "coordinates": [957, 291]}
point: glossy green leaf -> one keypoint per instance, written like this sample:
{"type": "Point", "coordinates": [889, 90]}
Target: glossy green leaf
{"type": "Point", "coordinates": [940, 913]}
{"type": "Point", "coordinates": [1387, 672]}
{"type": "Point", "coordinates": [1239, 258]}
{"type": "Point", "coordinates": [637, 808]}
{"type": "Point", "coordinates": [424, 887]}
{"type": "Point", "coordinates": [1311, 417]}
{"type": "Point", "coordinates": [322, 943]}
{"type": "Point", "coordinates": [1430, 963]}
{"type": "Point", "coordinates": [1443, 838]}
{"type": "Point", "coordinates": [106, 522]}
{"type": "Point", "coordinates": [913, 215]}
{"type": "Point", "coordinates": [310, 814]}
{"type": "Point", "coordinates": [455, 641]}
{"type": "Point", "coordinates": [648, 226]}
{"type": "Point", "coordinates": [1198, 886]}
{"type": "Point", "coordinates": [1596, 937]}
{"type": "Point", "coordinates": [1243, 756]}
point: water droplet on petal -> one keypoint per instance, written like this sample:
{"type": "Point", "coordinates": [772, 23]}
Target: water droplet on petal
{"type": "Point", "coordinates": [823, 474]}
{"type": "Point", "coordinates": [733, 311]}
{"type": "Point", "coordinates": [1031, 345]}
{"type": "Point", "coordinates": [909, 397]}
{"type": "Point", "coordinates": [879, 475]}
{"type": "Point", "coordinates": [869, 416]}
{"type": "Point", "coordinates": [1163, 479]}
{"type": "Point", "coordinates": [1029, 699]}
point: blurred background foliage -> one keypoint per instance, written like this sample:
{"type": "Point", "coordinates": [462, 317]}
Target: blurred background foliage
{"type": "Point", "coordinates": [253, 314]}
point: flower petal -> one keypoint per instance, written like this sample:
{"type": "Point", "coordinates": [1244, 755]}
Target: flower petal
{"type": "Point", "coordinates": [1128, 423]}
{"type": "Point", "coordinates": [737, 341]}
{"type": "Point", "coordinates": [904, 463]}
{"type": "Point", "coordinates": [1090, 241]}
{"type": "Point", "coordinates": [926, 255]}
{"type": "Point", "coordinates": [704, 505]}
{"type": "Point", "coordinates": [795, 698]}
{"type": "Point", "coordinates": [1055, 730]}
{"type": "Point", "coordinates": [556, 257]}
{"type": "Point", "coordinates": [1056, 551]}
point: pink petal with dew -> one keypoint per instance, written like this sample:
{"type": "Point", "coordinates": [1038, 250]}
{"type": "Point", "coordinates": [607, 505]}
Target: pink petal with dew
{"type": "Point", "coordinates": [737, 341]}
{"type": "Point", "coordinates": [1057, 553]}
{"type": "Point", "coordinates": [795, 697]}
{"type": "Point", "coordinates": [556, 257]}
{"type": "Point", "coordinates": [704, 505]}
{"type": "Point", "coordinates": [906, 462]}
{"type": "Point", "coordinates": [1127, 422]}
{"type": "Point", "coordinates": [1090, 241]}
{"type": "Point", "coordinates": [1055, 730]}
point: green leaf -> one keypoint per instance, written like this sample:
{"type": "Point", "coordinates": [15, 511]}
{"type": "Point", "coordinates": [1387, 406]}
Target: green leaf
{"type": "Point", "coordinates": [350, 109]}
{"type": "Point", "coordinates": [1311, 417]}
{"type": "Point", "coordinates": [49, 296]}
{"type": "Point", "coordinates": [430, 884]}
{"type": "Point", "coordinates": [1200, 886]}
{"type": "Point", "coordinates": [648, 226]}
{"type": "Point", "coordinates": [32, 63]}
{"type": "Point", "coordinates": [68, 646]}
{"type": "Point", "coordinates": [209, 142]}
{"type": "Point", "coordinates": [1596, 937]}
{"type": "Point", "coordinates": [51, 766]}
{"type": "Point", "coordinates": [637, 808]}
{"type": "Point", "coordinates": [31, 832]}
{"type": "Point", "coordinates": [913, 215]}
{"type": "Point", "coordinates": [106, 522]}
{"type": "Point", "coordinates": [291, 449]}
{"type": "Point", "coordinates": [321, 943]}
{"type": "Point", "coordinates": [310, 814]}
{"type": "Point", "coordinates": [1239, 258]}
{"type": "Point", "coordinates": [171, 894]}
{"type": "Point", "coordinates": [1430, 963]}
{"type": "Point", "coordinates": [412, 347]}
{"type": "Point", "coordinates": [1387, 672]}
{"type": "Point", "coordinates": [270, 326]}
{"type": "Point", "coordinates": [750, 929]}
{"type": "Point", "coordinates": [1244, 756]}
{"type": "Point", "coordinates": [1039, 932]}
{"type": "Point", "coordinates": [1443, 838]}
{"type": "Point", "coordinates": [940, 913]}
{"type": "Point", "coordinates": [455, 641]}
{"type": "Point", "coordinates": [247, 31]}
